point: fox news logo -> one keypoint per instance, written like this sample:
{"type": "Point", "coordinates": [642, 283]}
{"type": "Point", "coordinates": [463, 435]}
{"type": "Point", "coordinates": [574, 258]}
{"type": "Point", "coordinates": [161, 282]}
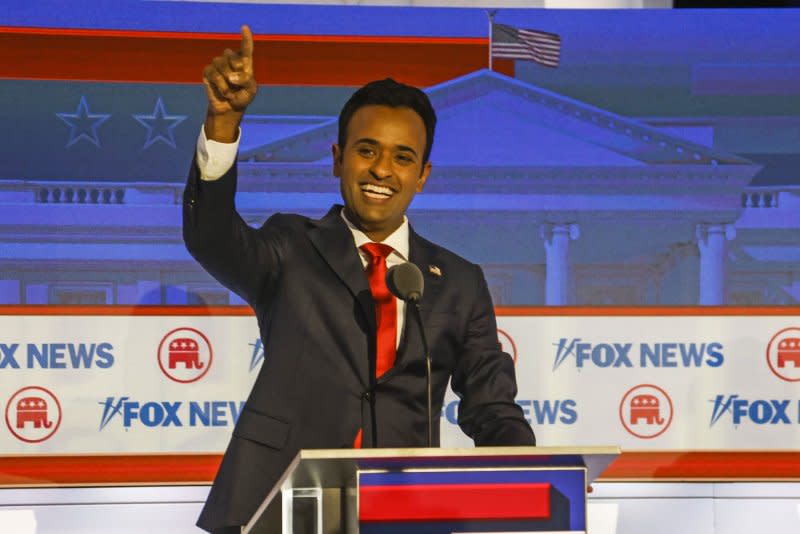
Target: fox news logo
{"type": "Point", "coordinates": [783, 354]}
{"type": "Point", "coordinates": [152, 414]}
{"type": "Point", "coordinates": [536, 412]}
{"type": "Point", "coordinates": [257, 355]}
{"type": "Point", "coordinates": [56, 355]}
{"type": "Point", "coordinates": [756, 411]}
{"type": "Point", "coordinates": [619, 355]}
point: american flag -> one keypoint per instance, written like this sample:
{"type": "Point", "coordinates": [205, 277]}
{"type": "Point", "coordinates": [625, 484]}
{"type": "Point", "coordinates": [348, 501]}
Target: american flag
{"type": "Point", "coordinates": [520, 43]}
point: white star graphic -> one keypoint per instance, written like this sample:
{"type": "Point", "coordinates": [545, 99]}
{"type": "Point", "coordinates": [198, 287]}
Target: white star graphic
{"type": "Point", "coordinates": [159, 125]}
{"type": "Point", "coordinates": [83, 124]}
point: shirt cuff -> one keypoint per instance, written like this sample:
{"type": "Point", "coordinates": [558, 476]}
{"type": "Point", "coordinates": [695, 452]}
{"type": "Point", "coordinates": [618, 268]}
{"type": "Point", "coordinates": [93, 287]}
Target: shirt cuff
{"type": "Point", "coordinates": [214, 159]}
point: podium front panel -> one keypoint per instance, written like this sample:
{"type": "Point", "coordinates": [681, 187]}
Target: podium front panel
{"type": "Point", "coordinates": [443, 501]}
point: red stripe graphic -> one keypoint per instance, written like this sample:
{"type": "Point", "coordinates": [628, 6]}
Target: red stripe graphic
{"type": "Point", "coordinates": [102, 469]}
{"type": "Point", "coordinates": [432, 502]}
{"type": "Point", "coordinates": [705, 466]}
{"type": "Point", "coordinates": [503, 311]}
{"type": "Point", "coordinates": [171, 57]}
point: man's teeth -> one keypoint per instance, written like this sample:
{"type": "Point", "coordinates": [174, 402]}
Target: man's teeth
{"type": "Point", "coordinates": [376, 191]}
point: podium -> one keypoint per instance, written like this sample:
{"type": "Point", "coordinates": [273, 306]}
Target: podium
{"type": "Point", "coordinates": [433, 491]}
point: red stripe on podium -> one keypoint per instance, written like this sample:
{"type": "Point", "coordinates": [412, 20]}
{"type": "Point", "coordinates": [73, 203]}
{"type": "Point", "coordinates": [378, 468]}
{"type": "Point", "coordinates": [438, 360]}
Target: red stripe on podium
{"type": "Point", "coordinates": [442, 502]}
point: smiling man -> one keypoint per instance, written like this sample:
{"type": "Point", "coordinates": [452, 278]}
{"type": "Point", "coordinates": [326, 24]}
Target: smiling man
{"type": "Point", "coordinates": [381, 158]}
{"type": "Point", "coordinates": [344, 367]}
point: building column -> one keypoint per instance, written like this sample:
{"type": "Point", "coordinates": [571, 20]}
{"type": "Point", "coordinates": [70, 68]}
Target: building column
{"type": "Point", "coordinates": [557, 276]}
{"type": "Point", "coordinates": [712, 241]}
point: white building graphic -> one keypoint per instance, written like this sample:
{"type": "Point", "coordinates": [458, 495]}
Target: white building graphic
{"type": "Point", "coordinates": [560, 201]}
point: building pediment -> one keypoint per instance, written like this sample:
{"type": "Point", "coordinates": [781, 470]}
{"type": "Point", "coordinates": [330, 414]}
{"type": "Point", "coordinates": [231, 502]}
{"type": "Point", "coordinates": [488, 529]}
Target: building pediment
{"type": "Point", "coordinates": [490, 120]}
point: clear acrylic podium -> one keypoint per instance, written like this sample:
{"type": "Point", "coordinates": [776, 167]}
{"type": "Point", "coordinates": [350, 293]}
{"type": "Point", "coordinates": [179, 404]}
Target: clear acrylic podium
{"type": "Point", "coordinates": [433, 491]}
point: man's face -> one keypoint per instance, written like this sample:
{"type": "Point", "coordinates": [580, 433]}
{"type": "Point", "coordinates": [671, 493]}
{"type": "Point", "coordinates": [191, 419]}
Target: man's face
{"type": "Point", "coordinates": [380, 167]}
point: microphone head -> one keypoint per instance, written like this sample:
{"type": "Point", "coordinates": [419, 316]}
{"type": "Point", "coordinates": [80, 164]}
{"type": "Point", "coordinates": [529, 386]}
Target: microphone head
{"type": "Point", "coordinates": [405, 281]}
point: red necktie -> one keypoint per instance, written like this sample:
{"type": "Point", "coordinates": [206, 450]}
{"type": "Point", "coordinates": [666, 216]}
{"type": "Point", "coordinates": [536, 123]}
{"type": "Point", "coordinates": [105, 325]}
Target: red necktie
{"type": "Point", "coordinates": [385, 307]}
{"type": "Point", "coordinates": [385, 312]}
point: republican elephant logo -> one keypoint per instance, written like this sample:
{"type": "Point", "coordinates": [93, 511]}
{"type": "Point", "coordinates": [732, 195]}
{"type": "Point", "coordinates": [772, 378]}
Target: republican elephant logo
{"type": "Point", "coordinates": [507, 344]}
{"type": "Point", "coordinates": [646, 411]}
{"type": "Point", "coordinates": [184, 350]}
{"type": "Point", "coordinates": [789, 351]}
{"type": "Point", "coordinates": [646, 407]}
{"type": "Point", "coordinates": [185, 355]}
{"type": "Point", "coordinates": [32, 410]}
{"type": "Point", "coordinates": [783, 354]}
{"type": "Point", "coordinates": [33, 414]}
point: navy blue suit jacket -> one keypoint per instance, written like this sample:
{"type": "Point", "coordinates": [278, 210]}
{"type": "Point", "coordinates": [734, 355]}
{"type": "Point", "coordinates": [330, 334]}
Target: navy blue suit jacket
{"type": "Point", "coordinates": [316, 316]}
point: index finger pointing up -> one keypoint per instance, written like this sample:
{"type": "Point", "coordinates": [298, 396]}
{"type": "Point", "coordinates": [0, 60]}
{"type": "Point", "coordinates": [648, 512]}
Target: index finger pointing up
{"type": "Point", "coordinates": [247, 42]}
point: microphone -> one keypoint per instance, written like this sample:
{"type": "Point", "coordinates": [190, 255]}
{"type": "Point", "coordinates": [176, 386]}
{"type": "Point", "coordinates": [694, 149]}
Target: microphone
{"type": "Point", "coordinates": [406, 283]}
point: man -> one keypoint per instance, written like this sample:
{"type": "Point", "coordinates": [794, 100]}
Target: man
{"type": "Point", "coordinates": [344, 365]}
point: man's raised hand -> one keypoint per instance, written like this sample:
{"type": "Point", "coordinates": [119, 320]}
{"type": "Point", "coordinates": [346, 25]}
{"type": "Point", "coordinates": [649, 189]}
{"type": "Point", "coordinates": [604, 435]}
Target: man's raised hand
{"type": "Point", "coordinates": [230, 86]}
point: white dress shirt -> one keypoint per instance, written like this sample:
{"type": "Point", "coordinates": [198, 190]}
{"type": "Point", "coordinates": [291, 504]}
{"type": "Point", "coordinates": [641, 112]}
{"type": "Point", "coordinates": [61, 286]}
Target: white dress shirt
{"type": "Point", "coordinates": [398, 240]}
{"type": "Point", "coordinates": [215, 158]}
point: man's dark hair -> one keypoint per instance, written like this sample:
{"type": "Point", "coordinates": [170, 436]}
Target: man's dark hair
{"type": "Point", "coordinates": [395, 95]}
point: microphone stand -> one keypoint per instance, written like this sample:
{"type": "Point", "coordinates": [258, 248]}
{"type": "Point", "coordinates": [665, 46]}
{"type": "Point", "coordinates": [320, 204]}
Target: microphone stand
{"type": "Point", "coordinates": [410, 289]}
{"type": "Point", "coordinates": [414, 301]}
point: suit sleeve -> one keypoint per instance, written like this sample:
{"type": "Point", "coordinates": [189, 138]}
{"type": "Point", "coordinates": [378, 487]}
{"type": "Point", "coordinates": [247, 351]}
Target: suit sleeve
{"type": "Point", "coordinates": [485, 381]}
{"type": "Point", "coordinates": [243, 259]}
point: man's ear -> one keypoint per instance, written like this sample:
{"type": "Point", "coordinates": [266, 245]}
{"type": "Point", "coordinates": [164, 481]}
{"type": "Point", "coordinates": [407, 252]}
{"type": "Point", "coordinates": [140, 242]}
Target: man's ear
{"type": "Point", "coordinates": [423, 177]}
{"type": "Point", "coordinates": [337, 160]}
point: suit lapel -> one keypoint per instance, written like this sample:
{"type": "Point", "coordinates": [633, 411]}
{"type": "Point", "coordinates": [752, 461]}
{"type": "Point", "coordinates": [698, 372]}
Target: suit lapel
{"type": "Point", "coordinates": [334, 242]}
{"type": "Point", "coordinates": [423, 255]}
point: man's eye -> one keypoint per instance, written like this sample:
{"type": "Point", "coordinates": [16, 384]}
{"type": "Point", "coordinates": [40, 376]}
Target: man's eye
{"type": "Point", "coordinates": [366, 151]}
{"type": "Point", "coordinates": [404, 159]}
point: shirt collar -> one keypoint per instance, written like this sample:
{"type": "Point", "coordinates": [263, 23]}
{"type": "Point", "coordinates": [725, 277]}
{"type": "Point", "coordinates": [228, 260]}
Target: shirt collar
{"type": "Point", "coordinates": [398, 239]}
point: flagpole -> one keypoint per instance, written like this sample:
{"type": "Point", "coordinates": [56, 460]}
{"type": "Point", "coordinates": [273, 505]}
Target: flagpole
{"type": "Point", "coordinates": [490, 13]}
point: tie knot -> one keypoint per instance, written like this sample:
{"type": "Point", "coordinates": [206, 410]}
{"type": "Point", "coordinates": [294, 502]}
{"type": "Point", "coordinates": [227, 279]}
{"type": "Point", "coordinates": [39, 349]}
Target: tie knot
{"type": "Point", "coordinates": [377, 251]}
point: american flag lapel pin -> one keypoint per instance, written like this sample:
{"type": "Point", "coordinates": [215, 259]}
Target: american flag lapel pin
{"type": "Point", "coordinates": [435, 270]}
